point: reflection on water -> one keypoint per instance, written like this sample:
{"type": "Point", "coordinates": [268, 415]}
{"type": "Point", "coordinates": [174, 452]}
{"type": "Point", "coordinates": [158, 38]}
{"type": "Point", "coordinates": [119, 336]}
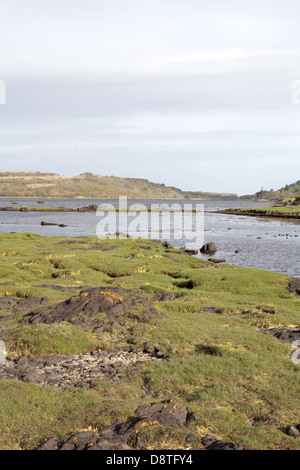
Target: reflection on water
{"type": "Point", "coordinates": [263, 243]}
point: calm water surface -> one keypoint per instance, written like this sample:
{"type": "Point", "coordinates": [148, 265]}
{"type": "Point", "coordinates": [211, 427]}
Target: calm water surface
{"type": "Point", "coordinates": [264, 243]}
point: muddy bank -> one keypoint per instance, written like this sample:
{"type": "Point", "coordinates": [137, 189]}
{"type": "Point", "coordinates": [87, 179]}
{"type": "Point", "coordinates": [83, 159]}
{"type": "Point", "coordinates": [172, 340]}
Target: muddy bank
{"type": "Point", "coordinates": [90, 208]}
{"type": "Point", "coordinates": [261, 213]}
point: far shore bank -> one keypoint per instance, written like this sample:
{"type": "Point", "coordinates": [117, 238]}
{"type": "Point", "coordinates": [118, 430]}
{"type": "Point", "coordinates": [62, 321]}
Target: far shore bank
{"type": "Point", "coordinates": [287, 213]}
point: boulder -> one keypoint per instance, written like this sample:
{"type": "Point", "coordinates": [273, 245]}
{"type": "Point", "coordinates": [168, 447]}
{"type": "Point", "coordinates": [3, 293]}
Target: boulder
{"type": "Point", "coordinates": [209, 310]}
{"type": "Point", "coordinates": [91, 301]}
{"type": "Point", "coordinates": [126, 436]}
{"type": "Point", "coordinates": [292, 431]}
{"type": "Point", "coordinates": [187, 251]}
{"type": "Point", "coordinates": [209, 249]}
{"type": "Point", "coordinates": [286, 335]}
{"type": "Point", "coordinates": [211, 443]}
{"type": "Point", "coordinates": [164, 296]}
{"type": "Point", "coordinates": [294, 286]}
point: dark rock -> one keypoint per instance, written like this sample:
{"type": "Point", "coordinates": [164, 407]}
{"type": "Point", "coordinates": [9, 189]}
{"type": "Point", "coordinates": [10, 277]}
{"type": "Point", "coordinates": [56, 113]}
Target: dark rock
{"type": "Point", "coordinates": [58, 288]}
{"type": "Point", "coordinates": [30, 375]}
{"type": "Point", "coordinates": [294, 286]}
{"type": "Point", "coordinates": [192, 417]}
{"type": "Point", "coordinates": [102, 444]}
{"type": "Point", "coordinates": [47, 223]}
{"type": "Point", "coordinates": [224, 445]}
{"type": "Point", "coordinates": [79, 441]}
{"type": "Point", "coordinates": [95, 246]}
{"type": "Point", "coordinates": [212, 443]}
{"type": "Point", "coordinates": [190, 252]}
{"type": "Point", "coordinates": [208, 440]}
{"type": "Point", "coordinates": [120, 234]}
{"type": "Point", "coordinates": [292, 431]}
{"type": "Point", "coordinates": [19, 305]}
{"type": "Point", "coordinates": [133, 340]}
{"type": "Point", "coordinates": [216, 260]}
{"type": "Point", "coordinates": [167, 245]}
{"type": "Point", "coordinates": [209, 310]}
{"type": "Point", "coordinates": [164, 296]}
{"type": "Point", "coordinates": [21, 361]}
{"type": "Point", "coordinates": [89, 208]}
{"type": "Point", "coordinates": [68, 372]}
{"type": "Point", "coordinates": [125, 436]}
{"type": "Point", "coordinates": [90, 302]}
{"type": "Point", "coordinates": [147, 347]}
{"type": "Point", "coordinates": [210, 404]}
{"type": "Point", "coordinates": [50, 444]}
{"type": "Point", "coordinates": [209, 249]}
{"type": "Point", "coordinates": [188, 284]}
{"type": "Point", "coordinates": [191, 438]}
{"type": "Point", "coordinates": [266, 308]}
{"type": "Point", "coordinates": [286, 335]}
{"type": "Point", "coordinates": [170, 412]}
{"type": "Point", "coordinates": [100, 329]}
{"type": "Point", "coordinates": [116, 326]}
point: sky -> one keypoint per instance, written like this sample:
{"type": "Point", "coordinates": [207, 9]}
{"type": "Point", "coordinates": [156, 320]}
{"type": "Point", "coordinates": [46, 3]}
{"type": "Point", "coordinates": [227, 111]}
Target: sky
{"type": "Point", "coordinates": [195, 94]}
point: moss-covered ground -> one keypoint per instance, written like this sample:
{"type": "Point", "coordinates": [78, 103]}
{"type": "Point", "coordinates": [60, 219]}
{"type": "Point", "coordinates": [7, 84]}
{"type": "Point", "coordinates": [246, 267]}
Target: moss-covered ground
{"type": "Point", "coordinates": [220, 365]}
{"type": "Point", "coordinates": [272, 211]}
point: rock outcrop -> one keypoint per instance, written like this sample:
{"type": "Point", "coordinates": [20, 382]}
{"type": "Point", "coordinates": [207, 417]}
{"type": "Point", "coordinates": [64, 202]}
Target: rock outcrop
{"type": "Point", "coordinates": [209, 249]}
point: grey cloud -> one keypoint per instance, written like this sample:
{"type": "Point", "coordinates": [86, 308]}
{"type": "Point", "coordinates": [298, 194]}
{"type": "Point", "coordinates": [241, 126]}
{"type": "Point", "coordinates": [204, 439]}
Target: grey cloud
{"type": "Point", "coordinates": [149, 89]}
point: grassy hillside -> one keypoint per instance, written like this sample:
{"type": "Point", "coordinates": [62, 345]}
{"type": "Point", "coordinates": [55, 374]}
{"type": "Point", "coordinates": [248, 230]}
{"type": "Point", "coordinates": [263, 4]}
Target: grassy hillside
{"type": "Point", "coordinates": [88, 185]}
{"type": "Point", "coordinates": [289, 191]}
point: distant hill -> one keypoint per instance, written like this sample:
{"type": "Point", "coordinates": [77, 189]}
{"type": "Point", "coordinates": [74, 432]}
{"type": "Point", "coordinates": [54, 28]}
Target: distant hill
{"type": "Point", "coordinates": [289, 191]}
{"type": "Point", "coordinates": [88, 185]}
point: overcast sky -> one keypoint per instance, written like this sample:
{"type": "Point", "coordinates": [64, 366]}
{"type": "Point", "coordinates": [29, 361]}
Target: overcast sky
{"type": "Point", "coordinates": [190, 93]}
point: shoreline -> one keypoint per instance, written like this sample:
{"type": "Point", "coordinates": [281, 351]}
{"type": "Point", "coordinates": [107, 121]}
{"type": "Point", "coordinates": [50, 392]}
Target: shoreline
{"type": "Point", "coordinates": [88, 209]}
{"type": "Point", "coordinates": [260, 213]}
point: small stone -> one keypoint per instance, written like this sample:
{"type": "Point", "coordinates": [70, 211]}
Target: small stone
{"type": "Point", "coordinates": [208, 440]}
{"type": "Point", "coordinates": [208, 249]}
{"type": "Point", "coordinates": [192, 416]}
{"type": "Point", "coordinates": [191, 438]}
{"type": "Point", "coordinates": [50, 444]}
{"type": "Point", "coordinates": [292, 431]}
{"type": "Point", "coordinates": [210, 404]}
{"type": "Point", "coordinates": [22, 360]}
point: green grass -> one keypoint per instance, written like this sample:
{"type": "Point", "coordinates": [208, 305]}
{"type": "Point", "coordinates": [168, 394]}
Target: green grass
{"type": "Point", "coordinates": [213, 358]}
{"type": "Point", "coordinates": [268, 211]}
{"type": "Point", "coordinates": [61, 339]}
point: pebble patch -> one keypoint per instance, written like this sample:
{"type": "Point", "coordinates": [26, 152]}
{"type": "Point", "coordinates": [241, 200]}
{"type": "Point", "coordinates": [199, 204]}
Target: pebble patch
{"type": "Point", "coordinates": [71, 371]}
